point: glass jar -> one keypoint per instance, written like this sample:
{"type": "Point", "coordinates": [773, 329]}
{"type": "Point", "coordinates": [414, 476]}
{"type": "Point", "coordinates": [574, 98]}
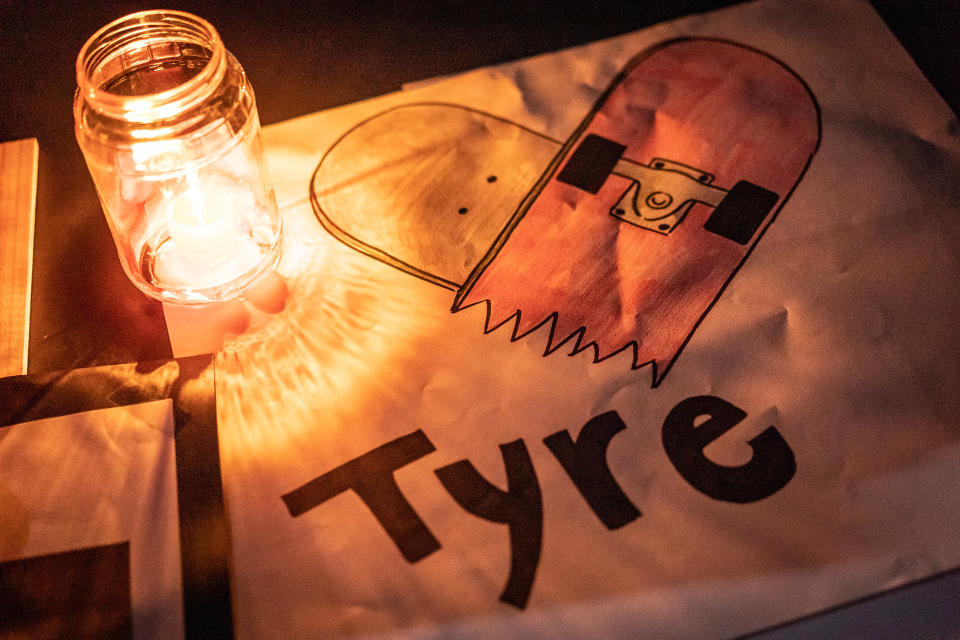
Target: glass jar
{"type": "Point", "coordinates": [169, 130]}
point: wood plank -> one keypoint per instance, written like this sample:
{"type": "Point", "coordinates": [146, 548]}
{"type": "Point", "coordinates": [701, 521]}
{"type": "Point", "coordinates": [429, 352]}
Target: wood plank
{"type": "Point", "coordinates": [18, 189]}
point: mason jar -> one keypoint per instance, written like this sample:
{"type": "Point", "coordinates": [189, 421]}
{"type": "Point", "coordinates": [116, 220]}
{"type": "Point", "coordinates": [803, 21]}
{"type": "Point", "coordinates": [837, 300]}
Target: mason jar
{"type": "Point", "coordinates": [168, 126]}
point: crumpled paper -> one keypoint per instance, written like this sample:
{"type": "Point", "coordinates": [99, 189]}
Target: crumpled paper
{"type": "Point", "coordinates": [838, 334]}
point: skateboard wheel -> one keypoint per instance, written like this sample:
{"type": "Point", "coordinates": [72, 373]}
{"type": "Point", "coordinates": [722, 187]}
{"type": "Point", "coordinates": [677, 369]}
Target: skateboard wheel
{"type": "Point", "coordinates": [740, 213]}
{"type": "Point", "coordinates": [591, 163]}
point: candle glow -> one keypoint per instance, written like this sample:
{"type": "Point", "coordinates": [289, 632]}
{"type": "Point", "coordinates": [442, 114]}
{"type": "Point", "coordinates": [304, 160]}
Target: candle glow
{"type": "Point", "coordinates": [211, 237]}
{"type": "Point", "coordinates": [172, 140]}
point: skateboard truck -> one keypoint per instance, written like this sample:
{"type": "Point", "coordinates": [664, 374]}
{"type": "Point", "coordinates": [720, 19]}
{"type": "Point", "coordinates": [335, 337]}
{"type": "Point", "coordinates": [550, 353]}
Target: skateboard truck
{"type": "Point", "coordinates": [662, 192]}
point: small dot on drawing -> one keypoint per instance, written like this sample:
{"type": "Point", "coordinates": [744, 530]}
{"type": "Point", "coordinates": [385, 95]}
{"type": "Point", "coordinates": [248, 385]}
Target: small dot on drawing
{"type": "Point", "coordinates": [620, 212]}
{"type": "Point", "coordinates": [462, 210]}
{"type": "Point", "coordinates": [491, 178]}
{"type": "Point", "coordinates": [664, 227]}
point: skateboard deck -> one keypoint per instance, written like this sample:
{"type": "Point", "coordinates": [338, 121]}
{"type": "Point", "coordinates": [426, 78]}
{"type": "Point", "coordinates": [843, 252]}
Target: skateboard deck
{"type": "Point", "coordinates": [620, 238]}
{"type": "Point", "coordinates": [428, 187]}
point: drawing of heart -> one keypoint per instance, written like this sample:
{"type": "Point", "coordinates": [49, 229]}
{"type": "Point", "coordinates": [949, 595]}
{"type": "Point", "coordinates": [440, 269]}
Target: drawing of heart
{"type": "Point", "coordinates": [621, 238]}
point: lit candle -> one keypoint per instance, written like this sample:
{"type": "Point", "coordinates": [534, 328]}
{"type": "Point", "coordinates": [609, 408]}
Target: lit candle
{"type": "Point", "coordinates": [209, 228]}
{"type": "Point", "coordinates": [169, 129]}
{"type": "Point", "coordinates": [203, 225]}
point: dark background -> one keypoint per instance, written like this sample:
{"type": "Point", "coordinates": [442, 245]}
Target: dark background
{"type": "Point", "coordinates": [304, 57]}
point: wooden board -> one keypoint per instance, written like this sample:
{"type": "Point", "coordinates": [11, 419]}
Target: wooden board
{"type": "Point", "coordinates": [18, 189]}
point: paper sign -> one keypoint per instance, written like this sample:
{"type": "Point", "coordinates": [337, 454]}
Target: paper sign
{"type": "Point", "coordinates": [113, 520]}
{"type": "Point", "coordinates": [742, 226]}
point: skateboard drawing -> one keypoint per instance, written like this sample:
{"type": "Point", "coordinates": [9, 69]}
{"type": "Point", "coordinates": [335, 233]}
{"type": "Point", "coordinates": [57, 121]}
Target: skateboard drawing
{"type": "Point", "coordinates": [620, 238]}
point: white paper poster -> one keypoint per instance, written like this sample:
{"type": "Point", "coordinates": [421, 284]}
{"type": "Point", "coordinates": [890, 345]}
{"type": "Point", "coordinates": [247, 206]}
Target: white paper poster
{"type": "Point", "coordinates": [792, 450]}
{"type": "Point", "coordinates": [654, 337]}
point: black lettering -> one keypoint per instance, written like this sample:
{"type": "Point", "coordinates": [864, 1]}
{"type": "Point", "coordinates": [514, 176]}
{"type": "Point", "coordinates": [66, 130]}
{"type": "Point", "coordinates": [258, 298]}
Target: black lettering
{"type": "Point", "coordinates": [585, 461]}
{"type": "Point", "coordinates": [769, 470]}
{"type": "Point", "coordinates": [520, 508]}
{"type": "Point", "coordinates": [370, 476]}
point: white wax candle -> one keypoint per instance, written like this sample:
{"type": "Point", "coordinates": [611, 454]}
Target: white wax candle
{"type": "Point", "coordinates": [203, 224]}
{"type": "Point", "coordinates": [209, 221]}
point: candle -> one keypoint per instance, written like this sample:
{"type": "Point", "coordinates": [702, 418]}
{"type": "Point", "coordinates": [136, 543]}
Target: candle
{"type": "Point", "coordinates": [203, 225]}
{"type": "Point", "coordinates": [168, 126]}
{"type": "Point", "coordinates": [209, 224]}
{"type": "Point", "coordinates": [201, 233]}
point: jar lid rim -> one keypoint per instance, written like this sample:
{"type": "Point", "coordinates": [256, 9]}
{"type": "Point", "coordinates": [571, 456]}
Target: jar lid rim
{"type": "Point", "coordinates": [149, 106]}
